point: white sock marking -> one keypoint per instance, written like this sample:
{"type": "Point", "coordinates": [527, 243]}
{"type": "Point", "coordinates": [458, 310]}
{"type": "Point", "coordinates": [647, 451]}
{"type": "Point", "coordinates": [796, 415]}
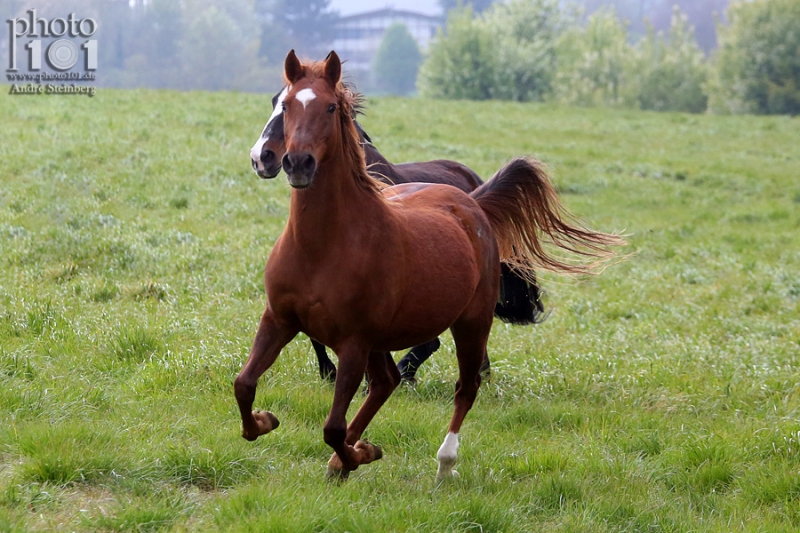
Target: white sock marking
{"type": "Point", "coordinates": [447, 455]}
{"type": "Point", "coordinates": [305, 96]}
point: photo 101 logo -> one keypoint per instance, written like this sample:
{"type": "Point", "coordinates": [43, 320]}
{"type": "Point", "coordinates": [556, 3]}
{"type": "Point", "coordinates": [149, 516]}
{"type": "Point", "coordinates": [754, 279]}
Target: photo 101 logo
{"type": "Point", "coordinates": [63, 45]}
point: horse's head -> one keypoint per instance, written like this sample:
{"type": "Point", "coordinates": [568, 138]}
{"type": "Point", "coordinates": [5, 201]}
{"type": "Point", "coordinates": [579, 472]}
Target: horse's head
{"type": "Point", "coordinates": [312, 113]}
{"type": "Point", "coordinates": [268, 150]}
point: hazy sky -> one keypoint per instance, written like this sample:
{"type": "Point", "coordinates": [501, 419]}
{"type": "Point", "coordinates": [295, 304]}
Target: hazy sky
{"type": "Point", "coordinates": [348, 7]}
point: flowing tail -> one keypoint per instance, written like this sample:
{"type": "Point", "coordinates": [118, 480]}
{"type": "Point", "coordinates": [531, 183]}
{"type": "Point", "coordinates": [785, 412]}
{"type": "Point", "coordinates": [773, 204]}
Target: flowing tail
{"type": "Point", "coordinates": [523, 209]}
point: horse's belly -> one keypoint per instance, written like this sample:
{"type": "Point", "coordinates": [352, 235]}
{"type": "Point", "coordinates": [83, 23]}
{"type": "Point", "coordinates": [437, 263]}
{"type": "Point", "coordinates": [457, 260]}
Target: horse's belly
{"type": "Point", "coordinates": [404, 302]}
{"type": "Point", "coordinates": [443, 271]}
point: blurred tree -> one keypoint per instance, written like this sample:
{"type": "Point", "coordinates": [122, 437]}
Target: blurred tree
{"type": "Point", "coordinates": [219, 47]}
{"type": "Point", "coordinates": [595, 63]}
{"type": "Point", "coordinates": [701, 14]}
{"type": "Point", "coordinates": [671, 69]}
{"type": "Point", "coordinates": [150, 52]}
{"type": "Point", "coordinates": [478, 6]}
{"type": "Point", "coordinates": [115, 32]}
{"type": "Point", "coordinates": [757, 68]}
{"type": "Point", "coordinates": [274, 42]}
{"type": "Point", "coordinates": [307, 25]}
{"type": "Point", "coordinates": [526, 34]}
{"type": "Point", "coordinates": [460, 62]}
{"type": "Point", "coordinates": [509, 53]}
{"type": "Point", "coordinates": [397, 61]}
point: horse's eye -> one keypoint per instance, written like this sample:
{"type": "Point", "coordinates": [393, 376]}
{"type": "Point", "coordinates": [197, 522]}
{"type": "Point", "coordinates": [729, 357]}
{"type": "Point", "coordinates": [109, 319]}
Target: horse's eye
{"type": "Point", "coordinates": [331, 108]}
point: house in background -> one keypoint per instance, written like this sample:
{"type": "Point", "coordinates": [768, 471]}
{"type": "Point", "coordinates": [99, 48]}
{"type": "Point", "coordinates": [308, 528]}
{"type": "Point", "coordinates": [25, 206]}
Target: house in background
{"type": "Point", "coordinates": [358, 36]}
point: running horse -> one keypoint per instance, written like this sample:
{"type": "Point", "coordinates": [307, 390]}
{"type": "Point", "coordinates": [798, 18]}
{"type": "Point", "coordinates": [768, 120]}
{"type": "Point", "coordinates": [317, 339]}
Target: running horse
{"type": "Point", "coordinates": [519, 301]}
{"type": "Point", "coordinates": [355, 266]}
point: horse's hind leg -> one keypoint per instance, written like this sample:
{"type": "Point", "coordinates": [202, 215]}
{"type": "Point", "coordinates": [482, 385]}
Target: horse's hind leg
{"type": "Point", "coordinates": [417, 355]}
{"type": "Point", "coordinates": [383, 379]}
{"type": "Point", "coordinates": [270, 339]}
{"type": "Point", "coordinates": [327, 370]}
{"type": "Point", "coordinates": [470, 337]}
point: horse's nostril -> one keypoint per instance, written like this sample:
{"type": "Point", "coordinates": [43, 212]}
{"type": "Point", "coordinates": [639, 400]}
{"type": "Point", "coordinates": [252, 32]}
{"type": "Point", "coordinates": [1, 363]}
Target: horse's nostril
{"type": "Point", "coordinates": [254, 163]}
{"type": "Point", "coordinates": [287, 164]}
{"type": "Point", "coordinates": [268, 158]}
{"type": "Point", "coordinates": [309, 163]}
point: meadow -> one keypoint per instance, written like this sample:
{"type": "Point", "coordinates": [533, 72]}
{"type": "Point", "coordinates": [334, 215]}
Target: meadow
{"type": "Point", "coordinates": [659, 396]}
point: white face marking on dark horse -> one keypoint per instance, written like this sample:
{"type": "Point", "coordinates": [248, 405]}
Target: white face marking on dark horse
{"type": "Point", "coordinates": [305, 96]}
{"type": "Point", "coordinates": [255, 151]}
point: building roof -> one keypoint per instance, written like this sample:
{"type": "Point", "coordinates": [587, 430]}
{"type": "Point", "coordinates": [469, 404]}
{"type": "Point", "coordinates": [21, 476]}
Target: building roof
{"type": "Point", "coordinates": [389, 11]}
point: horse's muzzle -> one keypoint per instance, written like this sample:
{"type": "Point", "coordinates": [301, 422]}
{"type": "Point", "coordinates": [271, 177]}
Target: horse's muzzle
{"type": "Point", "coordinates": [269, 167]}
{"type": "Point", "coordinates": [300, 168]}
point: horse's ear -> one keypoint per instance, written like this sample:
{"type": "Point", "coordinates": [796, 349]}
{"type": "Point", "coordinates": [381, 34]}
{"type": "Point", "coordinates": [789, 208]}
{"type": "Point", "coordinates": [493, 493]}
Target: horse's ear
{"type": "Point", "coordinates": [292, 68]}
{"type": "Point", "coordinates": [333, 68]}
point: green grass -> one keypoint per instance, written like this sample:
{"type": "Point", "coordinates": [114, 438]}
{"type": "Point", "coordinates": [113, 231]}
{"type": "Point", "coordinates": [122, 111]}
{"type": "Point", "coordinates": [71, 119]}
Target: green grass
{"type": "Point", "coordinates": [660, 396]}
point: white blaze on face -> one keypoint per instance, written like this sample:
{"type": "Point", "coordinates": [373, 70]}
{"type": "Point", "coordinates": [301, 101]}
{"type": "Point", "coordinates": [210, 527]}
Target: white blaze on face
{"type": "Point", "coordinates": [447, 455]}
{"type": "Point", "coordinates": [305, 96]}
{"type": "Point", "coordinates": [255, 151]}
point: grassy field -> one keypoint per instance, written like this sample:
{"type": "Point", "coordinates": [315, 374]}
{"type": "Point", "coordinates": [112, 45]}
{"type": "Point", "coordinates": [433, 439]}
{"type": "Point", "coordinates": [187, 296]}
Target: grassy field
{"type": "Point", "coordinates": [660, 396]}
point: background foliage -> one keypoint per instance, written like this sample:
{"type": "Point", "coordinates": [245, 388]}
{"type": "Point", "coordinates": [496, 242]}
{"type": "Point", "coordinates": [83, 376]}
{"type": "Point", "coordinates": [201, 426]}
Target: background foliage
{"type": "Point", "coordinates": [758, 62]}
{"type": "Point", "coordinates": [671, 69]}
{"type": "Point", "coordinates": [507, 53]}
{"type": "Point", "coordinates": [460, 62]}
{"type": "Point", "coordinates": [644, 54]}
{"type": "Point", "coordinates": [538, 50]}
{"type": "Point", "coordinates": [396, 64]}
{"type": "Point", "coordinates": [596, 63]}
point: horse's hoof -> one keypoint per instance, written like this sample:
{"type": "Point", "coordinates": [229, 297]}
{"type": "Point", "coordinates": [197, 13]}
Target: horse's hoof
{"type": "Point", "coordinates": [411, 381]}
{"type": "Point", "coordinates": [337, 475]}
{"type": "Point", "coordinates": [369, 451]}
{"type": "Point", "coordinates": [452, 474]}
{"type": "Point", "coordinates": [265, 422]}
{"type": "Point", "coordinates": [336, 470]}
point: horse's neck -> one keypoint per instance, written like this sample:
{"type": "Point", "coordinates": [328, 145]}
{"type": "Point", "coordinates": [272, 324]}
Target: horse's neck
{"type": "Point", "coordinates": [333, 210]}
{"type": "Point", "coordinates": [379, 167]}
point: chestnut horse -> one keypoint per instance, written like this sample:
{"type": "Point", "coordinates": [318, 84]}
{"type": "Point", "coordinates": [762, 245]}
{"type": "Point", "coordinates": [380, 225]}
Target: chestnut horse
{"type": "Point", "coordinates": [519, 301]}
{"type": "Point", "coordinates": [366, 269]}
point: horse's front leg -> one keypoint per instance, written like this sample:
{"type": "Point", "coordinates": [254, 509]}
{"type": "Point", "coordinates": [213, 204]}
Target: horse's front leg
{"type": "Point", "coordinates": [353, 359]}
{"type": "Point", "coordinates": [271, 337]}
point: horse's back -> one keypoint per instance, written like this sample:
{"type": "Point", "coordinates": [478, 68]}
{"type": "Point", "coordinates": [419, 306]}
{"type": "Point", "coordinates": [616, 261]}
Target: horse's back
{"type": "Point", "coordinates": [417, 202]}
{"type": "Point", "coordinates": [440, 171]}
{"type": "Point", "coordinates": [443, 221]}
{"type": "Point", "coordinates": [430, 212]}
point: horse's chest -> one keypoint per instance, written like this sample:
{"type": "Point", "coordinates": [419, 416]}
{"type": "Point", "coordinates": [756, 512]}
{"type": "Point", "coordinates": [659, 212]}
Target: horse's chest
{"type": "Point", "coordinates": [327, 301]}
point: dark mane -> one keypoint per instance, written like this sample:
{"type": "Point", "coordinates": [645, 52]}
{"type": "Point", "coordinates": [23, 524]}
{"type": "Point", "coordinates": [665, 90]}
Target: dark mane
{"type": "Point", "coordinates": [359, 100]}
